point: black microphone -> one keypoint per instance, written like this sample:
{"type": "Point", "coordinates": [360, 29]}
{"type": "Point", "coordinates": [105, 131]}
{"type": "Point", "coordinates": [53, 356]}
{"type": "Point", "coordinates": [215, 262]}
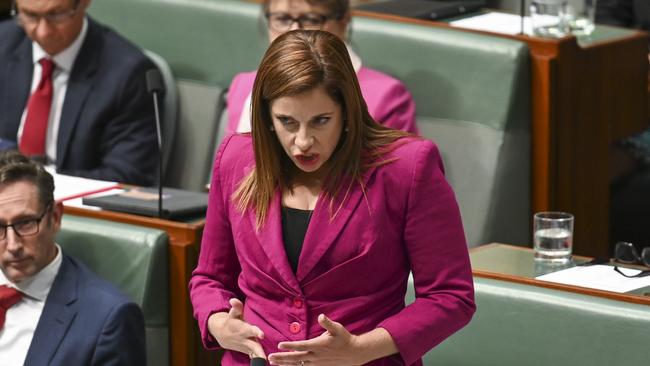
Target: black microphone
{"type": "Point", "coordinates": [156, 86]}
{"type": "Point", "coordinates": [258, 361]}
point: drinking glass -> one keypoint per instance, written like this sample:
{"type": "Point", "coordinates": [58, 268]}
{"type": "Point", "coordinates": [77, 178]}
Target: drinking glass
{"type": "Point", "coordinates": [553, 237]}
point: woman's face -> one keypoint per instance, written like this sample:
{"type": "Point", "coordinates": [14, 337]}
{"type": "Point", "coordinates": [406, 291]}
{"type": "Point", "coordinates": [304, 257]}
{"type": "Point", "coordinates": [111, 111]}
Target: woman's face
{"type": "Point", "coordinates": [308, 126]}
{"type": "Point", "coordinates": [283, 10]}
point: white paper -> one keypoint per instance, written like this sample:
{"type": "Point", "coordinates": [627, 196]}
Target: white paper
{"type": "Point", "coordinates": [598, 277]}
{"type": "Point", "coordinates": [496, 22]}
{"type": "Point", "coordinates": [68, 187]}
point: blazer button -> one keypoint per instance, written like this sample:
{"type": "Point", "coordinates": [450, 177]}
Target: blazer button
{"type": "Point", "coordinates": [294, 327]}
{"type": "Point", "coordinates": [297, 303]}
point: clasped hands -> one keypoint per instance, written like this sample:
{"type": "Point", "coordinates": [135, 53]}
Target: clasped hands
{"type": "Point", "coordinates": [336, 346]}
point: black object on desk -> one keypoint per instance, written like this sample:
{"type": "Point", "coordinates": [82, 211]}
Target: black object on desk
{"type": "Point", "coordinates": [177, 203]}
{"type": "Point", "coordinates": [424, 9]}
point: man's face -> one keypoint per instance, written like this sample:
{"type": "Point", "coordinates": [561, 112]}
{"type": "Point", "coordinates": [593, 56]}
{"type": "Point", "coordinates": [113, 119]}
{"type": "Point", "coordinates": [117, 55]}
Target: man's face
{"type": "Point", "coordinates": [53, 24]}
{"type": "Point", "coordinates": [22, 256]}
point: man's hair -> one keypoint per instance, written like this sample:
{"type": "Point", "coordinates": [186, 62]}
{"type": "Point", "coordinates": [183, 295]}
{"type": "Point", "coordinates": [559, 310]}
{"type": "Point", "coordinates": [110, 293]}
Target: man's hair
{"type": "Point", "coordinates": [16, 167]}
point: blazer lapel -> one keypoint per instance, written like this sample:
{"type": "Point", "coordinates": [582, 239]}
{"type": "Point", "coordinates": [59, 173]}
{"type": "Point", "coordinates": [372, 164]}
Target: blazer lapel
{"type": "Point", "coordinates": [323, 230]}
{"type": "Point", "coordinates": [270, 239]}
{"type": "Point", "coordinates": [79, 85]}
{"type": "Point", "coordinates": [58, 313]}
{"type": "Point", "coordinates": [16, 92]}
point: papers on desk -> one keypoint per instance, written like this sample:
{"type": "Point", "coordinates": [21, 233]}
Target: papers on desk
{"type": "Point", "coordinates": [598, 277]}
{"type": "Point", "coordinates": [68, 188]}
{"type": "Point", "coordinates": [496, 22]}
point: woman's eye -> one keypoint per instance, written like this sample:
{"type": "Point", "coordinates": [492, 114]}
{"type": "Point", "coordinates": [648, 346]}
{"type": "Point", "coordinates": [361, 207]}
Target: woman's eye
{"type": "Point", "coordinates": [318, 121]}
{"type": "Point", "coordinates": [284, 120]}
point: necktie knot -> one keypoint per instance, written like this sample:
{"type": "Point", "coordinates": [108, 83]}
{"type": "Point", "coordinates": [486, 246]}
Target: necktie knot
{"type": "Point", "coordinates": [47, 66]}
{"type": "Point", "coordinates": [9, 296]}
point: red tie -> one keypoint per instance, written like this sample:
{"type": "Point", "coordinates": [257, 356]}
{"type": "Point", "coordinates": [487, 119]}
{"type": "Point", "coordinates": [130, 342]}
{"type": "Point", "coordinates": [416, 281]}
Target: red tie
{"type": "Point", "coordinates": [8, 297]}
{"type": "Point", "coordinates": [32, 141]}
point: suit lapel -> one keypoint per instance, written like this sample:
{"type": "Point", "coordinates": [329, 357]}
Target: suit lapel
{"type": "Point", "coordinates": [270, 239]}
{"type": "Point", "coordinates": [79, 85]}
{"type": "Point", "coordinates": [58, 313]}
{"type": "Point", "coordinates": [16, 91]}
{"type": "Point", "coordinates": [323, 230]}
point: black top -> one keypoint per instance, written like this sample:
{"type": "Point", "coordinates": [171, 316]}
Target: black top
{"type": "Point", "coordinates": [294, 228]}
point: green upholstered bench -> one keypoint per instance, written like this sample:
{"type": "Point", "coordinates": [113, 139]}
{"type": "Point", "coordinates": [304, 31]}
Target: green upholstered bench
{"type": "Point", "coordinates": [472, 93]}
{"type": "Point", "coordinates": [133, 258]}
{"type": "Point", "coordinates": [518, 324]}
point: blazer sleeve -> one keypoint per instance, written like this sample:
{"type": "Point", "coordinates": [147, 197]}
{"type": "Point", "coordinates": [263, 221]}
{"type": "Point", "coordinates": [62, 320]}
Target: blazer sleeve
{"type": "Point", "coordinates": [214, 281]}
{"type": "Point", "coordinates": [122, 340]}
{"type": "Point", "coordinates": [397, 108]}
{"type": "Point", "coordinates": [437, 251]}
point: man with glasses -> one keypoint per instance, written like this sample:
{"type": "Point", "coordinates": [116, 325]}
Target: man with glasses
{"type": "Point", "coordinates": [54, 310]}
{"type": "Point", "coordinates": [73, 93]}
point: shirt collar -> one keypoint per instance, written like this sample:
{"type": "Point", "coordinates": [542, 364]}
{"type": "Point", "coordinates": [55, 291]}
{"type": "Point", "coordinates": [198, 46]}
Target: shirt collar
{"type": "Point", "coordinates": [64, 59]}
{"type": "Point", "coordinates": [356, 60]}
{"type": "Point", "coordinates": [37, 286]}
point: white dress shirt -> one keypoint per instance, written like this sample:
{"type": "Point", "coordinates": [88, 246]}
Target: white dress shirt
{"type": "Point", "coordinates": [22, 318]}
{"type": "Point", "coordinates": [244, 124]}
{"type": "Point", "coordinates": [63, 62]}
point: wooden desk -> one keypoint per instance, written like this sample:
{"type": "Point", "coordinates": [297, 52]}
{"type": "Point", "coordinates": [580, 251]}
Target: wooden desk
{"type": "Point", "coordinates": [584, 96]}
{"type": "Point", "coordinates": [184, 243]}
{"type": "Point", "coordinates": [516, 264]}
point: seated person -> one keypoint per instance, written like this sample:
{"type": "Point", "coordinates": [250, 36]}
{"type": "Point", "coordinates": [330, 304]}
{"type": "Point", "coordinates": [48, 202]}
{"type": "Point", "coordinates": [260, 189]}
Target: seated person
{"type": "Point", "coordinates": [630, 157]}
{"type": "Point", "coordinates": [73, 93]}
{"type": "Point", "coordinates": [388, 100]}
{"type": "Point", "coordinates": [316, 221]}
{"type": "Point", "coordinates": [59, 312]}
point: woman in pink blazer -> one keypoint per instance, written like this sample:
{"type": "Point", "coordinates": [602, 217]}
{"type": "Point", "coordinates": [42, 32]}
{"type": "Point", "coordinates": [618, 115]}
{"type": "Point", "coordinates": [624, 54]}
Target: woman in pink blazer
{"type": "Point", "coordinates": [388, 100]}
{"type": "Point", "coordinates": [315, 220]}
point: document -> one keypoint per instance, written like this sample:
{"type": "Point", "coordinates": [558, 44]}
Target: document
{"type": "Point", "coordinates": [67, 187]}
{"type": "Point", "coordinates": [600, 277]}
{"type": "Point", "coordinates": [496, 22]}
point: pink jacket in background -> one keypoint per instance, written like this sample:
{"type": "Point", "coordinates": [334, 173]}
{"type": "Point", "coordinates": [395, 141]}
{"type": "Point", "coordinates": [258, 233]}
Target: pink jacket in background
{"type": "Point", "coordinates": [353, 268]}
{"type": "Point", "coordinates": [388, 100]}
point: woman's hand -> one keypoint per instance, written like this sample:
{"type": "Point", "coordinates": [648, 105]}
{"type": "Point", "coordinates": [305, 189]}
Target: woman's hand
{"type": "Point", "coordinates": [336, 346]}
{"type": "Point", "coordinates": [233, 333]}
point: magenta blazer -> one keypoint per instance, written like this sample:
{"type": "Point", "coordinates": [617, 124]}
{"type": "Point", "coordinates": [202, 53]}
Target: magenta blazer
{"type": "Point", "coordinates": [388, 100]}
{"type": "Point", "coordinates": [353, 268]}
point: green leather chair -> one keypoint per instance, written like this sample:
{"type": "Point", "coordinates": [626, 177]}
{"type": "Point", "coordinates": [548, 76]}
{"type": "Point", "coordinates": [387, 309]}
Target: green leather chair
{"type": "Point", "coordinates": [472, 93]}
{"type": "Point", "coordinates": [133, 258]}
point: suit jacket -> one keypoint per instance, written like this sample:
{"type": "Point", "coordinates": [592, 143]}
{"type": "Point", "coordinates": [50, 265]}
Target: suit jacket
{"type": "Point", "coordinates": [107, 129]}
{"type": "Point", "coordinates": [387, 99]}
{"type": "Point", "coordinates": [87, 321]}
{"type": "Point", "coordinates": [624, 13]}
{"type": "Point", "coordinates": [353, 268]}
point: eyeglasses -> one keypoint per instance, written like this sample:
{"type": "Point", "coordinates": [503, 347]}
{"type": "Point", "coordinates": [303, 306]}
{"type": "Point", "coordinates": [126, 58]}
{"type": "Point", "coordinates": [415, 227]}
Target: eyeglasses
{"type": "Point", "coordinates": [282, 22]}
{"type": "Point", "coordinates": [627, 253]}
{"type": "Point", "coordinates": [26, 227]}
{"type": "Point", "coordinates": [56, 17]}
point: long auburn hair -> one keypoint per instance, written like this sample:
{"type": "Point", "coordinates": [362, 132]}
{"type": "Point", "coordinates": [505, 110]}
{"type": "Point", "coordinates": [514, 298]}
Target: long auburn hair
{"type": "Point", "coordinates": [297, 62]}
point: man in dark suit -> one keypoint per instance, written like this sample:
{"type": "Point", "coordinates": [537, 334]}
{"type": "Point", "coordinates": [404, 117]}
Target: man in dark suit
{"type": "Point", "coordinates": [59, 312]}
{"type": "Point", "coordinates": [74, 92]}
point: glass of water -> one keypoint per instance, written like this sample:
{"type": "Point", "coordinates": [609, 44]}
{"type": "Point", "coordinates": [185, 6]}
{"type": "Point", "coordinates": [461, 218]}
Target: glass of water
{"type": "Point", "coordinates": [549, 18]}
{"type": "Point", "coordinates": [553, 237]}
{"type": "Point", "coordinates": [580, 16]}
